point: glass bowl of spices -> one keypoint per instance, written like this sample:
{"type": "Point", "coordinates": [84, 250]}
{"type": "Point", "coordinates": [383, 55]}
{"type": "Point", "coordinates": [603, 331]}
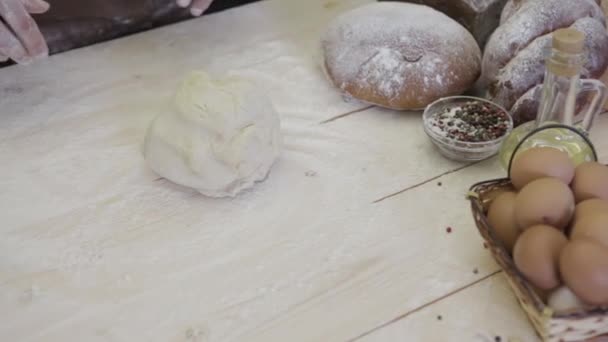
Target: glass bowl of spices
{"type": "Point", "coordinates": [466, 128]}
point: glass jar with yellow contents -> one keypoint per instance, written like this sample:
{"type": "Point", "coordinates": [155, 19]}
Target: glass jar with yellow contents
{"type": "Point", "coordinates": [559, 107]}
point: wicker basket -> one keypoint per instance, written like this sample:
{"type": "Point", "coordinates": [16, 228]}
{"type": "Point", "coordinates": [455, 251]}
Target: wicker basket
{"type": "Point", "coordinates": [550, 326]}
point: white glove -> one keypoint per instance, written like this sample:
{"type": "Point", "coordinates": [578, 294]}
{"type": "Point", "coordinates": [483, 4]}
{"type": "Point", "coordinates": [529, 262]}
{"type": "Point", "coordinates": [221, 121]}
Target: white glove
{"type": "Point", "coordinates": [20, 38]}
{"type": "Point", "coordinates": [197, 7]}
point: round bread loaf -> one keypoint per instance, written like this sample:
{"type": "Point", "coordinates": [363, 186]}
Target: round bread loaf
{"type": "Point", "coordinates": [513, 62]}
{"type": "Point", "coordinates": [399, 55]}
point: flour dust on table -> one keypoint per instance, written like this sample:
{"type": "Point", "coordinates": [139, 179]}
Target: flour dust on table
{"type": "Point", "coordinates": [221, 136]}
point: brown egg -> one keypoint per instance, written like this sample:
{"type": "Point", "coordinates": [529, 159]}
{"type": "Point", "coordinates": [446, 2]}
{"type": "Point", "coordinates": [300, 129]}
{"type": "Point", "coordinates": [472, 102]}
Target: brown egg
{"type": "Point", "coordinates": [501, 217]}
{"type": "Point", "coordinates": [584, 268]}
{"type": "Point", "coordinates": [491, 194]}
{"type": "Point", "coordinates": [536, 255]}
{"type": "Point", "coordinates": [541, 162]}
{"type": "Point", "coordinates": [589, 207]}
{"type": "Point", "coordinates": [590, 181]}
{"type": "Point", "coordinates": [544, 201]}
{"type": "Point", "coordinates": [594, 227]}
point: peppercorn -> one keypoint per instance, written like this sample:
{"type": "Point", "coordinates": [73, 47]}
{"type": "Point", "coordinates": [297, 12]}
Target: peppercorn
{"type": "Point", "coordinates": [472, 122]}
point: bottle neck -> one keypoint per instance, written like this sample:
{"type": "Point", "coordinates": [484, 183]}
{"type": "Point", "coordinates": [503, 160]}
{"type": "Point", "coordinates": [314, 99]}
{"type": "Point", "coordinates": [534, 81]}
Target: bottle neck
{"type": "Point", "coordinates": [562, 64]}
{"type": "Point", "coordinates": [560, 88]}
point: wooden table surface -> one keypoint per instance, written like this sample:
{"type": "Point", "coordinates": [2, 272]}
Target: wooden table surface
{"type": "Point", "coordinates": [345, 241]}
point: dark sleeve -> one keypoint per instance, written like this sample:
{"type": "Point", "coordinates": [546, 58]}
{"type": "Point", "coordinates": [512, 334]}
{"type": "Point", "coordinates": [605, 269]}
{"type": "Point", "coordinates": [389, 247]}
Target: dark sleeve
{"type": "Point", "coordinates": [71, 24]}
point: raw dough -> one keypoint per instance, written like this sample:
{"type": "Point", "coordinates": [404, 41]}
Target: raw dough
{"type": "Point", "coordinates": [221, 137]}
{"type": "Point", "coordinates": [400, 55]}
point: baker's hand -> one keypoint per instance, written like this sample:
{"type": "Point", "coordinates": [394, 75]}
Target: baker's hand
{"type": "Point", "coordinates": [20, 38]}
{"type": "Point", "coordinates": [197, 7]}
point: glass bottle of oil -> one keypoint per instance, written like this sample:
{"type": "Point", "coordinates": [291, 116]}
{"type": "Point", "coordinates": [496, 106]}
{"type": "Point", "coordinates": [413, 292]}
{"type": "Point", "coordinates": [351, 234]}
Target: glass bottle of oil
{"type": "Point", "coordinates": [561, 88]}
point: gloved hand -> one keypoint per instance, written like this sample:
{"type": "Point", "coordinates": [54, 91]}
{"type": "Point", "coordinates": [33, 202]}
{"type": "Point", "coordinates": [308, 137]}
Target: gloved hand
{"type": "Point", "coordinates": [197, 7]}
{"type": "Point", "coordinates": [20, 38]}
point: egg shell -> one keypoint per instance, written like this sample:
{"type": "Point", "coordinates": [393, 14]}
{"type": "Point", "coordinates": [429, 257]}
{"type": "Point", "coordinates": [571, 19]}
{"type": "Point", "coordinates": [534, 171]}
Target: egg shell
{"type": "Point", "coordinates": [563, 299]}
{"type": "Point", "coordinates": [590, 181]}
{"type": "Point", "coordinates": [584, 268]}
{"type": "Point", "coordinates": [492, 194]}
{"type": "Point", "coordinates": [593, 226]}
{"type": "Point", "coordinates": [541, 162]}
{"type": "Point", "coordinates": [501, 217]}
{"type": "Point", "coordinates": [544, 201]}
{"type": "Point", "coordinates": [589, 207]}
{"type": "Point", "coordinates": [536, 255]}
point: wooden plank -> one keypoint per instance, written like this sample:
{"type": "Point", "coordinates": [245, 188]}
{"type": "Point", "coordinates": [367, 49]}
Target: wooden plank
{"type": "Point", "coordinates": [94, 247]}
{"type": "Point", "coordinates": [148, 65]}
{"type": "Point", "coordinates": [479, 313]}
{"type": "Point", "coordinates": [85, 131]}
{"type": "Point", "coordinates": [135, 266]}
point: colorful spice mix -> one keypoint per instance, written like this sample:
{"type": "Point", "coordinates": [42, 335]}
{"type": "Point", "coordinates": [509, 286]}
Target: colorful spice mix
{"type": "Point", "coordinates": [473, 122]}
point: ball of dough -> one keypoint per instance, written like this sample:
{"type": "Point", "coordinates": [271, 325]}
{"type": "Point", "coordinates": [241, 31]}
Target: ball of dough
{"type": "Point", "coordinates": [399, 55]}
{"type": "Point", "coordinates": [221, 137]}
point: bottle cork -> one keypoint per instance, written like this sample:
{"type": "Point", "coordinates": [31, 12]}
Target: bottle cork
{"type": "Point", "coordinates": [569, 40]}
{"type": "Point", "coordinates": [566, 43]}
